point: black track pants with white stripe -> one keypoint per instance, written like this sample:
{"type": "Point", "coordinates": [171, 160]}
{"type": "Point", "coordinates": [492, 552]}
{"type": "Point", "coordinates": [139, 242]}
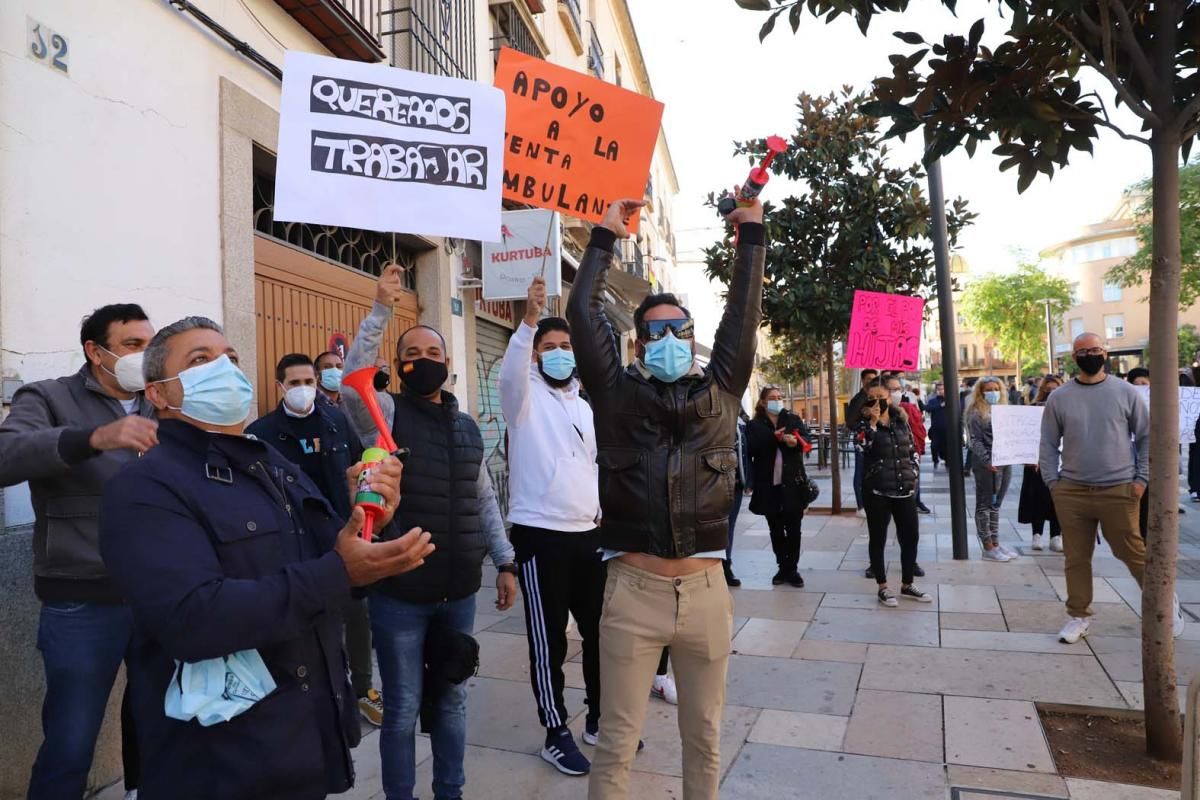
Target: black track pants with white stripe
{"type": "Point", "coordinates": [560, 573]}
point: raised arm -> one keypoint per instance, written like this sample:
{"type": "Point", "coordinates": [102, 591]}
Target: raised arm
{"type": "Point", "coordinates": [737, 335]}
{"type": "Point", "coordinates": [363, 352]}
{"type": "Point", "coordinates": [592, 335]}
{"type": "Point", "coordinates": [514, 369]}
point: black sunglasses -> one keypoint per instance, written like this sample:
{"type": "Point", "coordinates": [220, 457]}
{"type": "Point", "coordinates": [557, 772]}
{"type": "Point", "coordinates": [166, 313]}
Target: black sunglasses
{"type": "Point", "coordinates": [652, 330]}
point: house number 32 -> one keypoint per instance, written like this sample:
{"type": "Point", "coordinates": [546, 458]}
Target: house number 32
{"type": "Point", "coordinates": [48, 47]}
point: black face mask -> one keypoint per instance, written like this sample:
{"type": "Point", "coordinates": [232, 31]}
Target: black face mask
{"type": "Point", "coordinates": [1090, 365]}
{"type": "Point", "coordinates": [424, 376]}
{"type": "Point", "coordinates": [381, 381]}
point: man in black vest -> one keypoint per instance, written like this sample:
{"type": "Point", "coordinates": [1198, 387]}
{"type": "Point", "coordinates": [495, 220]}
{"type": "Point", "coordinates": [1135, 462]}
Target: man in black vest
{"type": "Point", "coordinates": [665, 432]}
{"type": "Point", "coordinates": [446, 491]}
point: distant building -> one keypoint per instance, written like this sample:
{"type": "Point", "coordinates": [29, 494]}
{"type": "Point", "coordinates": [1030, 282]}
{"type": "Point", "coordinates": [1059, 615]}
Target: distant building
{"type": "Point", "coordinates": [977, 353]}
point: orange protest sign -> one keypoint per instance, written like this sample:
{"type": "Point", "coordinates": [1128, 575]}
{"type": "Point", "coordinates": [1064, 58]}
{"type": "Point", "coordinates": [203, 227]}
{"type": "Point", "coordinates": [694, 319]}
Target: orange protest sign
{"type": "Point", "coordinates": [573, 143]}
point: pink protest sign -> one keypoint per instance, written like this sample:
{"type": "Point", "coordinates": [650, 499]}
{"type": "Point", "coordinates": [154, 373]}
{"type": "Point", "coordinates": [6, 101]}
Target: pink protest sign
{"type": "Point", "coordinates": [885, 331]}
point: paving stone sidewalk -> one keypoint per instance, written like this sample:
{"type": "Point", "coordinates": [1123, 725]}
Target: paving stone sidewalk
{"type": "Point", "coordinates": [831, 695]}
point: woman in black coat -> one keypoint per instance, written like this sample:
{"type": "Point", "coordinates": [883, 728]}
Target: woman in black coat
{"type": "Point", "coordinates": [777, 441]}
{"type": "Point", "coordinates": [1036, 507]}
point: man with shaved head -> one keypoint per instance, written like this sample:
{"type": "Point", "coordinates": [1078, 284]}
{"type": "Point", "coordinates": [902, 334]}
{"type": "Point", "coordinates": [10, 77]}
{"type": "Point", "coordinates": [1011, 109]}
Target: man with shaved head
{"type": "Point", "coordinates": [1103, 428]}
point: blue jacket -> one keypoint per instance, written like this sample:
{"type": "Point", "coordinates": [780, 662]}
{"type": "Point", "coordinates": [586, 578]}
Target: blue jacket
{"type": "Point", "coordinates": [937, 414]}
{"type": "Point", "coordinates": [220, 545]}
{"type": "Point", "coordinates": [325, 462]}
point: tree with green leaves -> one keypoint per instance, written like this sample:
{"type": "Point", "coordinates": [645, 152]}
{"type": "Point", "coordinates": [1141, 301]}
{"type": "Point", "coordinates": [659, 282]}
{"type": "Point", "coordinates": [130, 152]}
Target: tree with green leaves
{"type": "Point", "coordinates": [1026, 95]}
{"type": "Point", "coordinates": [1135, 270]}
{"type": "Point", "coordinates": [859, 223]}
{"type": "Point", "coordinates": [1011, 309]}
{"type": "Point", "coordinates": [1189, 346]}
{"type": "Point", "coordinates": [794, 359]}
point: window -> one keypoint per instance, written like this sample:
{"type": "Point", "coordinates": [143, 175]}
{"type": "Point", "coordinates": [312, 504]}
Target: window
{"type": "Point", "coordinates": [1112, 292]}
{"type": "Point", "coordinates": [1076, 328]}
{"type": "Point", "coordinates": [962, 355]}
{"type": "Point", "coordinates": [960, 320]}
{"type": "Point", "coordinates": [1107, 250]}
{"type": "Point", "coordinates": [1075, 294]}
{"type": "Point", "coordinates": [1114, 326]}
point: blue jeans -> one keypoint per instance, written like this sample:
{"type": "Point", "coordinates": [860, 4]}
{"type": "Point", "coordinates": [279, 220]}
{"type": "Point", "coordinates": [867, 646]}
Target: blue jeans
{"type": "Point", "coordinates": [82, 646]}
{"type": "Point", "coordinates": [859, 463]}
{"type": "Point", "coordinates": [399, 630]}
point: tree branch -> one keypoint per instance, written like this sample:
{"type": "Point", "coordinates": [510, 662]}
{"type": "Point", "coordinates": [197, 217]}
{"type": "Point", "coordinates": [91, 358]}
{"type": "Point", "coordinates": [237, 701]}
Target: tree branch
{"type": "Point", "coordinates": [1187, 116]}
{"type": "Point", "coordinates": [1108, 123]}
{"type": "Point", "coordinates": [1135, 105]}
{"type": "Point", "coordinates": [1140, 62]}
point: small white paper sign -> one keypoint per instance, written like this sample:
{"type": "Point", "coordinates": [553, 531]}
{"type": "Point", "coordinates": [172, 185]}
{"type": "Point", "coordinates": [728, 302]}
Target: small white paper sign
{"type": "Point", "coordinates": [1189, 410]}
{"type": "Point", "coordinates": [530, 245]}
{"type": "Point", "coordinates": [1016, 434]}
{"type": "Point", "coordinates": [386, 149]}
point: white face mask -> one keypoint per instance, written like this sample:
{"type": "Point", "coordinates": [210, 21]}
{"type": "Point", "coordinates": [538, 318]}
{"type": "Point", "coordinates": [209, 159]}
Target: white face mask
{"type": "Point", "coordinates": [299, 400]}
{"type": "Point", "coordinates": [127, 370]}
{"type": "Point", "coordinates": [896, 398]}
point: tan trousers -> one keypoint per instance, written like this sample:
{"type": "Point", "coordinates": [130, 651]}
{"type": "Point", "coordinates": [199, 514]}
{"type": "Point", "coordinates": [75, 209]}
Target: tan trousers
{"type": "Point", "coordinates": [1080, 509]}
{"type": "Point", "coordinates": [642, 614]}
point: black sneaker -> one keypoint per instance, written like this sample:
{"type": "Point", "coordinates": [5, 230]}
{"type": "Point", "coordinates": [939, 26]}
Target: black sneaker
{"type": "Point", "coordinates": [886, 598]}
{"type": "Point", "coordinates": [731, 579]}
{"type": "Point", "coordinates": [913, 593]}
{"type": "Point", "coordinates": [869, 574]}
{"type": "Point", "coordinates": [923, 509]}
{"type": "Point", "coordinates": [920, 573]}
{"type": "Point", "coordinates": [795, 580]}
{"type": "Point", "coordinates": [779, 579]}
{"type": "Point", "coordinates": [561, 752]}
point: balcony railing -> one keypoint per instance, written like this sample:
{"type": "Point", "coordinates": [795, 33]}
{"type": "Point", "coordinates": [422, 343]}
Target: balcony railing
{"type": "Point", "coordinates": [572, 18]}
{"type": "Point", "coordinates": [350, 29]}
{"type": "Point", "coordinates": [433, 36]}
{"type": "Point", "coordinates": [509, 29]}
{"type": "Point", "coordinates": [595, 52]}
{"type": "Point", "coordinates": [632, 259]}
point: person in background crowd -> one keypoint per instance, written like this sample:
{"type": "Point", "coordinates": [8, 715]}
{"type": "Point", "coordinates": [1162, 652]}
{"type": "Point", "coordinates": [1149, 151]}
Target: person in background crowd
{"type": "Point", "coordinates": [1031, 390]}
{"type": "Point", "coordinates": [553, 507]}
{"type": "Point", "coordinates": [776, 439]}
{"type": "Point", "coordinates": [916, 424]}
{"type": "Point", "coordinates": [447, 492]}
{"type": "Point", "coordinates": [937, 423]}
{"type": "Point", "coordinates": [1140, 376]}
{"type": "Point", "coordinates": [991, 482]}
{"type": "Point", "coordinates": [1102, 478]}
{"type": "Point", "coordinates": [66, 437]}
{"type": "Point", "coordinates": [666, 485]}
{"type": "Point", "coordinates": [965, 399]}
{"type": "Point", "coordinates": [853, 416]}
{"type": "Point", "coordinates": [1036, 506]}
{"type": "Point", "coordinates": [915, 395]}
{"type": "Point", "coordinates": [890, 484]}
{"type": "Point", "coordinates": [743, 486]}
{"type": "Point", "coordinates": [222, 546]}
{"type": "Point", "coordinates": [317, 438]}
{"type": "Point", "coordinates": [329, 368]}
{"type": "Point", "coordinates": [1014, 394]}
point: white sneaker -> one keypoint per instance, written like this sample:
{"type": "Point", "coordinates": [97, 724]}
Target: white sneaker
{"type": "Point", "coordinates": [1056, 544]}
{"type": "Point", "coordinates": [1013, 555]}
{"type": "Point", "coordinates": [1179, 623]}
{"type": "Point", "coordinates": [995, 554]}
{"type": "Point", "coordinates": [664, 689]}
{"type": "Point", "coordinates": [131, 794]}
{"type": "Point", "coordinates": [1075, 629]}
{"type": "Point", "coordinates": [1037, 541]}
{"type": "Point", "coordinates": [861, 513]}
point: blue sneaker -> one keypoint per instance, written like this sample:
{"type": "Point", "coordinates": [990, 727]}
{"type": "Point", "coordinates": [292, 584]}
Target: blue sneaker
{"type": "Point", "coordinates": [563, 754]}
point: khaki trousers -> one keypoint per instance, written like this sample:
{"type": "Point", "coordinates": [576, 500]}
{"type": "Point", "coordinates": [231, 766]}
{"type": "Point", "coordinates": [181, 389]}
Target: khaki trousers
{"type": "Point", "coordinates": [642, 614]}
{"type": "Point", "coordinates": [1080, 509]}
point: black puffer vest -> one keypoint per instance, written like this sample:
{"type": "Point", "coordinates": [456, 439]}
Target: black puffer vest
{"type": "Point", "coordinates": [438, 494]}
{"type": "Point", "coordinates": [890, 466]}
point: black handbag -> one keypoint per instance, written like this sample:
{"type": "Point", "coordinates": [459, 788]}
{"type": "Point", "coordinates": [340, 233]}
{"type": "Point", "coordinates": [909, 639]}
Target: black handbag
{"type": "Point", "coordinates": [809, 491]}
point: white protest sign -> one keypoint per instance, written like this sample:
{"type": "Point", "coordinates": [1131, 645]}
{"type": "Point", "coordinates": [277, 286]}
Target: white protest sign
{"type": "Point", "coordinates": [385, 149]}
{"type": "Point", "coordinates": [1189, 410]}
{"type": "Point", "coordinates": [1016, 434]}
{"type": "Point", "coordinates": [529, 246]}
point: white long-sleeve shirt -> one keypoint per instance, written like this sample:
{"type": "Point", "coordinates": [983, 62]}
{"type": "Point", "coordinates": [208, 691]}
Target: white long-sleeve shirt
{"type": "Point", "coordinates": [553, 477]}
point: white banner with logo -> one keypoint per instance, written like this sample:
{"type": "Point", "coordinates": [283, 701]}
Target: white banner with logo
{"type": "Point", "coordinates": [385, 149]}
{"type": "Point", "coordinates": [530, 245]}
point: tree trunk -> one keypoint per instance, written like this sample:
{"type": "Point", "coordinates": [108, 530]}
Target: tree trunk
{"type": "Point", "coordinates": [1018, 367]}
{"type": "Point", "coordinates": [835, 471]}
{"type": "Point", "coordinates": [1163, 734]}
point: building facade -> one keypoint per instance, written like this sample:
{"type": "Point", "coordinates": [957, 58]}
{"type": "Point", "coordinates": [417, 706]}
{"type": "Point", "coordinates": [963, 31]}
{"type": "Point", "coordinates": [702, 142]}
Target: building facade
{"type": "Point", "coordinates": [976, 352]}
{"type": "Point", "coordinates": [137, 165]}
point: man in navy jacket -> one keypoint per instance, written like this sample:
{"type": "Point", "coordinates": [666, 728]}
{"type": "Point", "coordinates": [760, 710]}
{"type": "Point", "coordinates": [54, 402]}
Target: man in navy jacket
{"type": "Point", "coordinates": [222, 545]}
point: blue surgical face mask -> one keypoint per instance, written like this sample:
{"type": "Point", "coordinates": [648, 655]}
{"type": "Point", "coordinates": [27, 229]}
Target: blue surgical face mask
{"type": "Point", "coordinates": [558, 363]}
{"type": "Point", "coordinates": [992, 397]}
{"type": "Point", "coordinates": [331, 379]}
{"type": "Point", "coordinates": [217, 393]}
{"type": "Point", "coordinates": [774, 406]}
{"type": "Point", "coordinates": [668, 358]}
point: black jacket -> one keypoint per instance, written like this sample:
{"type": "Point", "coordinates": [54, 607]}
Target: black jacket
{"type": "Point", "coordinates": [326, 460]}
{"type": "Point", "coordinates": [854, 409]}
{"type": "Point", "coordinates": [666, 450]}
{"type": "Point", "coordinates": [222, 545]}
{"type": "Point", "coordinates": [760, 436]}
{"type": "Point", "coordinates": [891, 456]}
{"type": "Point", "coordinates": [439, 494]}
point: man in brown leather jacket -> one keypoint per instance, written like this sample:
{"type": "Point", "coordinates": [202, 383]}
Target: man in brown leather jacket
{"type": "Point", "coordinates": [665, 430]}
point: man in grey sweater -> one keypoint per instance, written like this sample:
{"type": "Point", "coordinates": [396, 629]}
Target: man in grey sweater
{"type": "Point", "coordinates": [1103, 428]}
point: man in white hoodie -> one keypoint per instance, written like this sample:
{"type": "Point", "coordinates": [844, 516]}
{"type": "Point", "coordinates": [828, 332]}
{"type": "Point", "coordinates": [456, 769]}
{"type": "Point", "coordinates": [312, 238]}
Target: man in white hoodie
{"type": "Point", "coordinates": [554, 503]}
